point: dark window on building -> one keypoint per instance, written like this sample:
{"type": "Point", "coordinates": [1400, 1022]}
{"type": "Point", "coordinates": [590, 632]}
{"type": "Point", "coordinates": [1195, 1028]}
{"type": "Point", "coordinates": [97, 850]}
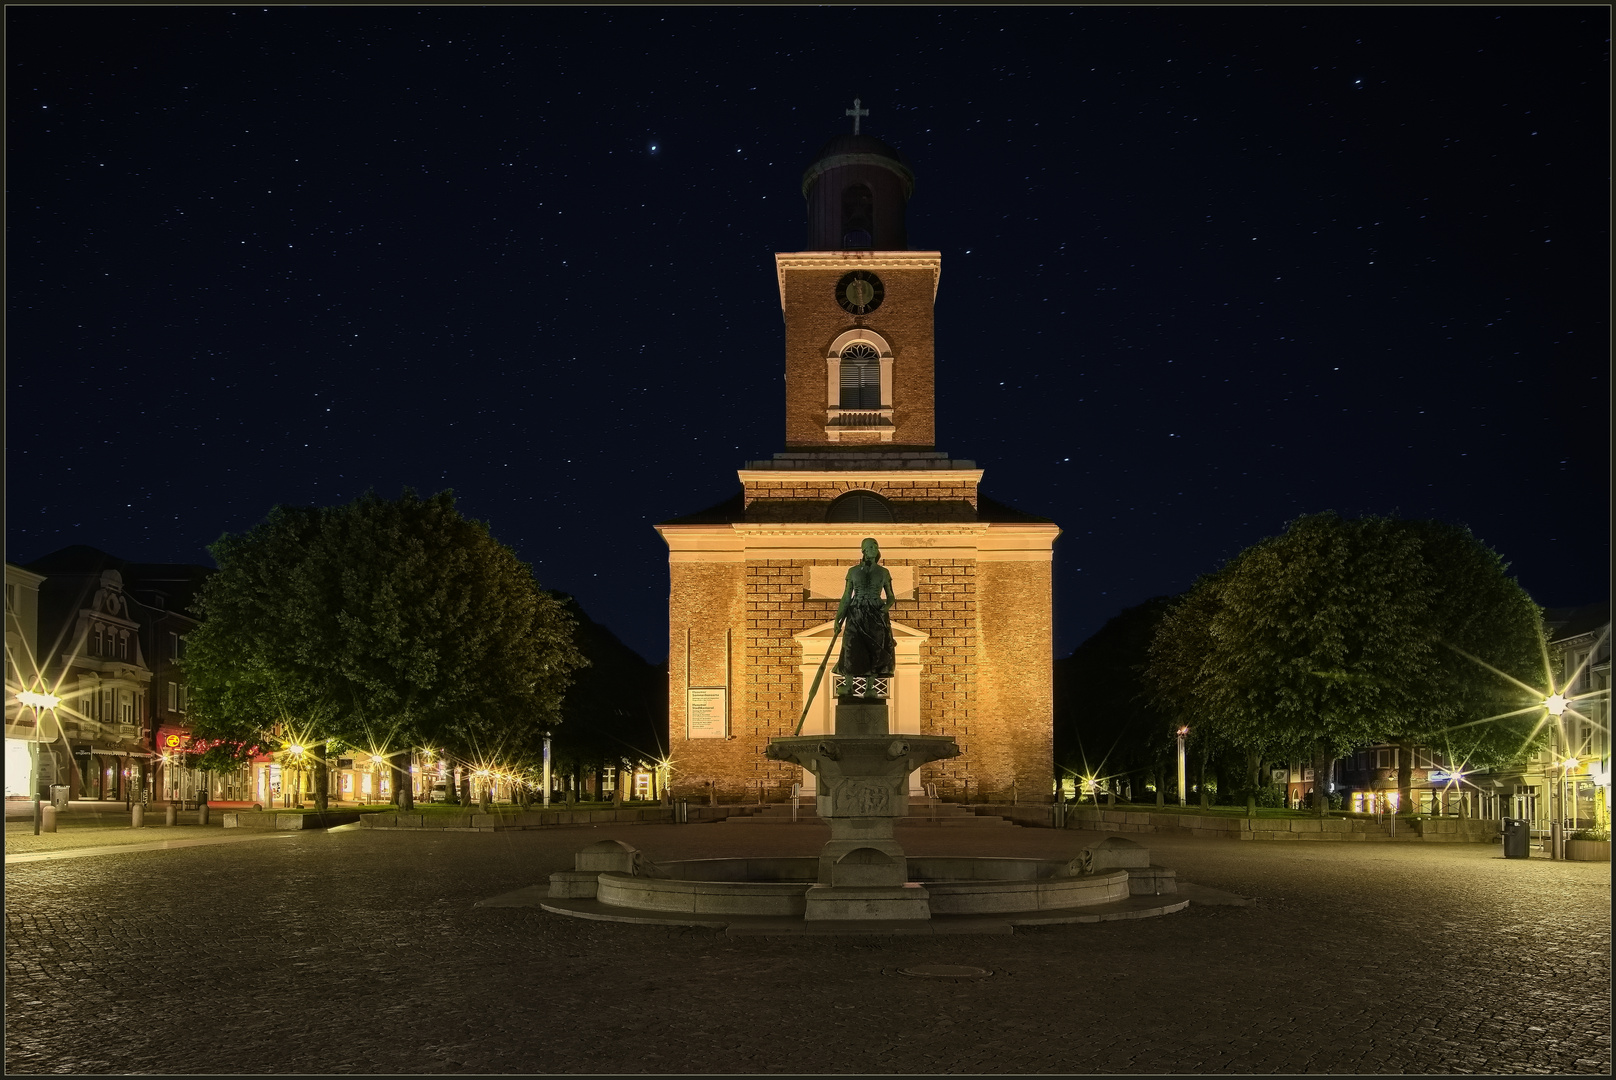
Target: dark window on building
{"type": "Point", "coordinates": [858, 217]}
{"type": "Point", "coordinates": [861, 377]}
{"type": "Point", "coordinates": [860, 506]}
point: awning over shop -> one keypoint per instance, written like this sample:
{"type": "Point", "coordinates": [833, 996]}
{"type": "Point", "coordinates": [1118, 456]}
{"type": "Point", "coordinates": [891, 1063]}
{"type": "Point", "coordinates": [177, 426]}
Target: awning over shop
{"type": "Point", "coordinates": [106, 748]}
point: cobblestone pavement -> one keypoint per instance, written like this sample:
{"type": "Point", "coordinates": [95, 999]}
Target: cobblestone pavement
{"type": "Point", "coordinates": [360, 951]}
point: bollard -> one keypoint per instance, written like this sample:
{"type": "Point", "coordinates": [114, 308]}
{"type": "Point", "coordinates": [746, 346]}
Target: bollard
{"type": "Point", "coordinates": [47, 818]}
{"type": "Point", "coordinates": [169, 817]}
{"type": "Point", "coordinates": [201, 813]}
{"type": "Point", "coordinates": [137, 816]}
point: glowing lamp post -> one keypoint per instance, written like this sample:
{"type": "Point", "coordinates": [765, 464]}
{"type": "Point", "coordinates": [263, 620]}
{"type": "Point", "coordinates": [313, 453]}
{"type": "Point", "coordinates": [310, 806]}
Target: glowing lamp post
{"type": "Point", "coordinates": [37, 701]}
{"type": "Point", "coordinates": [296, 755]}
{"type": "Point", "coordinates": [1556, 705]}
{"type": "Point", "coordinates": [1183, 798]}
{"type": "Point", "coordinates": [546, 770]}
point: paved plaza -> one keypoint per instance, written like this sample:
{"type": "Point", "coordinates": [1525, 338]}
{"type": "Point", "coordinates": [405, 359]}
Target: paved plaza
{"type": "Point", "coordinates": [358, 951]}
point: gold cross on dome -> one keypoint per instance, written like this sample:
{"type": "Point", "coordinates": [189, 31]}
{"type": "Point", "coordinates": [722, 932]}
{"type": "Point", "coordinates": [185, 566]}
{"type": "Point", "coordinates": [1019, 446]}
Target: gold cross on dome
{"type": "Point", "coordinates": [855, 112]}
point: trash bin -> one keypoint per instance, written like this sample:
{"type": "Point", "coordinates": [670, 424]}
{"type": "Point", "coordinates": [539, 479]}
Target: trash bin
{"type": "Point", "coordinates": [59, 796]}
{"type": "Point", "coordinates": [1517, 838]}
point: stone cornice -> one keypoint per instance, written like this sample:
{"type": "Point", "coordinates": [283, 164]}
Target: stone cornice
{"type": "Point", "coordinates": [110, 670]}
{"type": "Point", "coordinates": [860, 528]}
{"type": "Point", "coordinates": [742, 541]}
{"type": "Point", "coordinates": [819, 476]}
{"type": "Point", "coordinates": [858, 260]}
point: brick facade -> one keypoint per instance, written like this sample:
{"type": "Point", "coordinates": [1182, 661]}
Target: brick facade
{"type": "Point", "coordinates": [813, 321]}
{"type": "Point", "coordinates": [986, 666]}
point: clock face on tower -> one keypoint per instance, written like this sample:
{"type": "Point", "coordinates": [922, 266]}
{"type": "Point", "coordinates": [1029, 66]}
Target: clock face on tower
{"type": "Point", "coordinates": [860, 292]}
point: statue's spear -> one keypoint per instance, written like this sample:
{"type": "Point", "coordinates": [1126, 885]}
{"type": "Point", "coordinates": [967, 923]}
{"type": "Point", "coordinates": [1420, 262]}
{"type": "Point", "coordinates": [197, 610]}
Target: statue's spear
{"type": "Point", "coordinates": [820, 674]}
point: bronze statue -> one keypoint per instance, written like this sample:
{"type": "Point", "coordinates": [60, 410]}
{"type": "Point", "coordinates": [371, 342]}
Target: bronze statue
{"type": "Point", "coordinates": [868, 648]}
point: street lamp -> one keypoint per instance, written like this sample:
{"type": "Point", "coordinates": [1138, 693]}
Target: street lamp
{"type": "Point", "coordinates": [295, 757]}
{"type": "Point", "coordinates": [546, 769]}
{"type": "Point", "coordinates": [1556, 705]}
{"type": "Point", "coordinates": [1183, 799]}
{"type": "Point", "coordinates": [37, 701]}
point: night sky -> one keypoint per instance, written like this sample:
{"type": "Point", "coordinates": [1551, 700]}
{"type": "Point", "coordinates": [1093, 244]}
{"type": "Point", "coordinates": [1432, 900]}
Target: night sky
{"type": "Point", "coordinates": [1204, 269]}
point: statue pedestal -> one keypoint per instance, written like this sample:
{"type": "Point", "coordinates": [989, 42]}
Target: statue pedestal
{"type": "Point", "coordinates": [862, 774]}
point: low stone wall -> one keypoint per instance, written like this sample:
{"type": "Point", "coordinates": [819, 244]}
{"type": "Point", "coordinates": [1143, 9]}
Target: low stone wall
{"type": "Point", "coordinates": [1457, 830]}
{"type": "Point", "coordinates": [556, 817]}
{"type": "Point", "coordinates": [1121, 819]}
{"type": "Point", "coordinates": [268, 819]}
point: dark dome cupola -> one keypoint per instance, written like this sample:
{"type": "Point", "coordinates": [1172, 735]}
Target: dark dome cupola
{"type": "Point", "coordinates": [857, 190]}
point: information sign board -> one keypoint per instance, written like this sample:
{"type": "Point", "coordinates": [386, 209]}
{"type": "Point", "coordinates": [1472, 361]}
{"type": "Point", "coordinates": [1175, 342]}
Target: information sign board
{"type": "Point", "coordinates": [706, 712]}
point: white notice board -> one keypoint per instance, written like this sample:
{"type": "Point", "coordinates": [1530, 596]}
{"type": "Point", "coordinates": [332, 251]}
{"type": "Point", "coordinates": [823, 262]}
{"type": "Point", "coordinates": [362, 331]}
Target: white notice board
{"type": "Point", "coordinates": [706, 712]}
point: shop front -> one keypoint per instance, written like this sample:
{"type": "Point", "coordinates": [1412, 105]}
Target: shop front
{"type": "Point", "coordinates": [177, 780]}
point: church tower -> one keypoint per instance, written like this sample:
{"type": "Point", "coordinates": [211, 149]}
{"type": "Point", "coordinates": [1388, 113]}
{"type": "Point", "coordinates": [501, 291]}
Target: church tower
{"type": "Point", "coordinates": [754, 581]}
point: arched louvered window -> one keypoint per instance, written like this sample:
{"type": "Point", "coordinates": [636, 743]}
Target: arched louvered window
{"type": "Point", "coordinates": [860, 506]}
{"type": "Point", "coordinates": [861, 377]}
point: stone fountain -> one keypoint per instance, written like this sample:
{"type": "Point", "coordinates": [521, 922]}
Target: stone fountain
{"type": "Point", "coordinates": [862, 773]}
{"type": "Point", "coordinates": [861, 880]}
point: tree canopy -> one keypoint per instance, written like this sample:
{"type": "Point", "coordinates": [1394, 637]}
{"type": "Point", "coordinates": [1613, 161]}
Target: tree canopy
{"type": "Point", "coordinates": [1339, 633]}
{"type": "Point", "coordinates": [381, 624]}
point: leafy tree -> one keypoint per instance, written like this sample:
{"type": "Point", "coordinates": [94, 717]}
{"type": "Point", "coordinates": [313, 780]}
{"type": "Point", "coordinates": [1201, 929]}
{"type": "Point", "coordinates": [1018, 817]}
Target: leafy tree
{"type": "Point", "coordinates": [380, 624]}
{"type": "Point", "coordinates": [1342, 632]}
{"type": "Point", "coordinates": [1479, 613]}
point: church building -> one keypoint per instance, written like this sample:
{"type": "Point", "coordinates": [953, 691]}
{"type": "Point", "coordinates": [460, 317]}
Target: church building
{"type": "Point", "coordinates": [755, 580]}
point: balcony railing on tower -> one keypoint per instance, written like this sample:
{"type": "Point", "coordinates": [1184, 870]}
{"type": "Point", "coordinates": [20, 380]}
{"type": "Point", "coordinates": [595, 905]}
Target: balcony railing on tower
{"type": "Point", "coordinates": [842, 421]}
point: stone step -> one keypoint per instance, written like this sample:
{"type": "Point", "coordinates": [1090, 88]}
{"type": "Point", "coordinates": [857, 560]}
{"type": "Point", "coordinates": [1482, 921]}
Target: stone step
{"type": "Point", "coordinates": [973, 821]}
{"type": "Point", "coordinates": [964, 821]}
{"type": "Point", "coordinates": [916, 809]}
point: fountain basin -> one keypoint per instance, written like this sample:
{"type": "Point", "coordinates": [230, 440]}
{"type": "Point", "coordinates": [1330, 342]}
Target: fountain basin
{"type": "Point", "coordinates": [950, 885]}
{"type": "Point", "coordinates": [704, 897]}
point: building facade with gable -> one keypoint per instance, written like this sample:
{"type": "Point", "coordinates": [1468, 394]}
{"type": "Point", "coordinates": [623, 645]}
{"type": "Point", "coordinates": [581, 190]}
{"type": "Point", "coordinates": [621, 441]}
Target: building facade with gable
{"type": "Point", "coordinates": [755, 581]}
{"type": "Point", "coordinates": [112, 634]}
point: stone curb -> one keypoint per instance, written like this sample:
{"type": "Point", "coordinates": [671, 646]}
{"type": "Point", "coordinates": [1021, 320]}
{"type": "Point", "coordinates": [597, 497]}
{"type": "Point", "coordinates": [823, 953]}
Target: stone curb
{"type": "Point", "coordinates": [1138, 907]}
{"type": "Point", "coordinates": [542, 819]}
{"type": "Point", "coordinates": [1123, 819]}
